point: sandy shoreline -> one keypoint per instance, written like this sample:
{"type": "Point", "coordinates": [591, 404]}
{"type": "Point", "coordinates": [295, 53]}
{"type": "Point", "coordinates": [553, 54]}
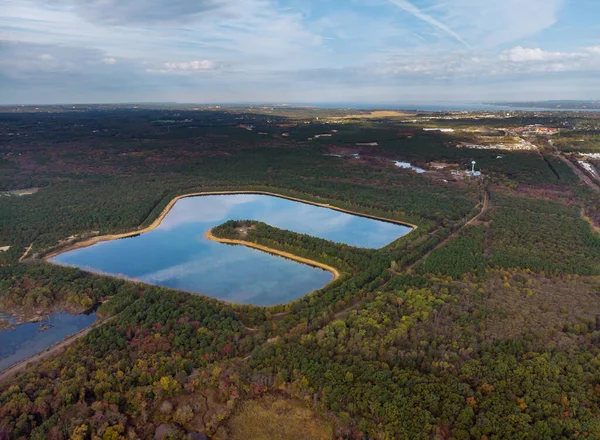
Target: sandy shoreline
{"type": "Point", "coordinates": [21, 366]}
{"type": "Point", "coordinates": [167, 209]}
{"type": "Point", "coordinates": [336, 275]}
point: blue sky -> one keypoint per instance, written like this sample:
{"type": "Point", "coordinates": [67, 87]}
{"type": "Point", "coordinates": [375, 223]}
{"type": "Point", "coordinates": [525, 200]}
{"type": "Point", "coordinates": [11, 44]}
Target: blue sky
{"type": "Point", "coordinates": [360, 51]}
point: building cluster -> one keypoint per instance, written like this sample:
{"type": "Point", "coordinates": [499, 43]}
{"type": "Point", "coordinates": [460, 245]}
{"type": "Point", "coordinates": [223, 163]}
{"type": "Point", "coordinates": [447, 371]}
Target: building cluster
{"type": "Point", "coordinates": [443, 130]}
{"type": "Point", "coordinates": [537, 129]}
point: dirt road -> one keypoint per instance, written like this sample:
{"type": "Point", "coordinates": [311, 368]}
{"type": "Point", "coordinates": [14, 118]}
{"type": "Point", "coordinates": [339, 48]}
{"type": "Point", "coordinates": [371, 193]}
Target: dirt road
{"type": "Point", "coordinates": [484, 209]}
{"type": "Point", "coordinates": [26, 253]}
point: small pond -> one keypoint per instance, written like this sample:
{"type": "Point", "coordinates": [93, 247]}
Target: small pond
{"type": "Point", "coordinates": [25, 340]}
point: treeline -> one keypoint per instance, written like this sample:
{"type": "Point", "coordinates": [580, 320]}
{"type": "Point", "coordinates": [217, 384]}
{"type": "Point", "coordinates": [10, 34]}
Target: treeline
{"type": "Point", "coordinates": [367, 269]}
{"type": "Point", "coordinates": [461, 255]}
{"type": "Point", "coordinates": [53, 215]}
{"type": "Point", "coordinates": [542, 236]}
{"type": "Point", "coordinates": [122, 369]}
{"type": "Point", "coordinates": [419, 363]}
{"type": "Point", "coordinates": [346, 258]}
{"type": "Point", "coordinates": [58, 212]}
{"type": "Point", "coordinates": [362, 269]}
{"type": "Point", "coordinates": [521, 233]}
{"type": "Point", "coordinates": [409, 363]}
{"type": "Point", "coordinates": [41, 287]}
{"type": "Point", "coordinates": [118, 191]}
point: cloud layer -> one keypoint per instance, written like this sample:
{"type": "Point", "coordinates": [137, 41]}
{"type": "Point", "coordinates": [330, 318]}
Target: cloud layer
{"type": "Point", "coordinates": [133, 12]}
{"type": "Point", "coordinates": [286, 50]}
{"type": "Point", "coordinates": [412, 9]}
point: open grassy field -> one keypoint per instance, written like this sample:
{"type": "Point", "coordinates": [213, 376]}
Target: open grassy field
{"type": "Point", "coordinates": [272, 417]}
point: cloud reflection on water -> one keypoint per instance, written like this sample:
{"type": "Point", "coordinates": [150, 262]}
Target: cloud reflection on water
{"type": "Point", "coordinates": [212, 209]}
{"type": "Point", "coordinates": [177, 255]}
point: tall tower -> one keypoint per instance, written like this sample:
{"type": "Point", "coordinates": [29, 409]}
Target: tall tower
{"type": "Point", "coordinates": [473, 169]}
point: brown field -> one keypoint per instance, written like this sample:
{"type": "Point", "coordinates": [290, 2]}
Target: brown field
{"type": "Point", "coordinates": [379, 114]}
{"type": "Point", "coordinates": [524, 304]}
{"type": "Point", "coordinates": [276, 417]}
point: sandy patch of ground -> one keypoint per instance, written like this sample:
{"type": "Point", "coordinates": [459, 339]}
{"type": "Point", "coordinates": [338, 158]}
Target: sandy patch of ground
{"type": "Point", "coordinates": [20, 192]}
{"type": "Point", "coordinates": [243, 230]}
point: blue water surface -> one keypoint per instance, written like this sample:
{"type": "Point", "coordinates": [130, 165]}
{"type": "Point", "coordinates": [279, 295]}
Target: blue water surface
{"type": "Point", "coordinates": [177, 255]}
{"type": "Point", "coordinates": [25, 340]}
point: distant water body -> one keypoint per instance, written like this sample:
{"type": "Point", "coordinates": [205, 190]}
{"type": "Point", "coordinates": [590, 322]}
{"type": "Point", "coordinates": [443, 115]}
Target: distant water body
{"type": "Point", "coordinates": [177, 254]}
{"type": "Point", "coordinates": [443, 107]}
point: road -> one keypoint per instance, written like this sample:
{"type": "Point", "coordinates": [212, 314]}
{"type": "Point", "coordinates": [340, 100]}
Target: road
{"type": "Point", "coordinates": [23, 365]}
{"type": "Point", "coordinates": [582, 176]}
{"type": "Point", "coordinates": [486, 205]}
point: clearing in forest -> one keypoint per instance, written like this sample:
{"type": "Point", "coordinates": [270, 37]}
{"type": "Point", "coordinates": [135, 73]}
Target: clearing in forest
{"type": "Point", "coordinates": [277, 417]}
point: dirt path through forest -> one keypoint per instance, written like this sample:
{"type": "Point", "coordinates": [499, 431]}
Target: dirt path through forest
{"type": "Point", "coordinates": [486, 205]}
{"type": "Point", "coordinates": [26, 253]}
{"type": "Point", "coordinates": [484, 209]}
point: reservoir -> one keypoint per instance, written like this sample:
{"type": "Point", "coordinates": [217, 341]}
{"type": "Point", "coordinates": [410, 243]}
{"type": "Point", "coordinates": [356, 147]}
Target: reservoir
{"type": "Point", "coordinates": [177, 255]}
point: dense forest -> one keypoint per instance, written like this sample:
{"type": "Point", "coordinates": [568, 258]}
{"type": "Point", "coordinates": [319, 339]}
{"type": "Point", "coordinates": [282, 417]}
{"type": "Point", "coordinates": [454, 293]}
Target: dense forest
{"type": "Point", "coordinates": [482, 323]}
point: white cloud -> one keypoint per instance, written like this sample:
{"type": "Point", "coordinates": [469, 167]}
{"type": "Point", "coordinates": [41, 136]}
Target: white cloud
{"type": "Point", "coordinates": [35, 72]}
{"type": "Point", "coordinates": [491, 23]}
{"type": "Point", "coordinates": [109, 60]}
{"type": "Point", "coordinates": [248, 34]}
{"type": "Point", "coordinates": [197, 66]}
{"type": "Point", "coordinates": [205, 209]}
{"type": "Point", "coordinates": [525, 55]}
{"type": "Point", "coordinates": [516, 61]}
{"type": "Point", "coordinates": [412, 9]}
{"type": "Point", "coordinates": [145, 12]}
{"type": "Point", "coordinates": [192, 66]}
{"type": "Point", "coordinates": [595, 50]}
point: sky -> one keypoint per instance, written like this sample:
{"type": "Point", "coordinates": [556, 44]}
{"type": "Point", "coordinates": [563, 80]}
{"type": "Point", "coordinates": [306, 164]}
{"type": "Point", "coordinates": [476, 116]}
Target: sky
{"type": "Point", "coordinates": [298, 51]}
